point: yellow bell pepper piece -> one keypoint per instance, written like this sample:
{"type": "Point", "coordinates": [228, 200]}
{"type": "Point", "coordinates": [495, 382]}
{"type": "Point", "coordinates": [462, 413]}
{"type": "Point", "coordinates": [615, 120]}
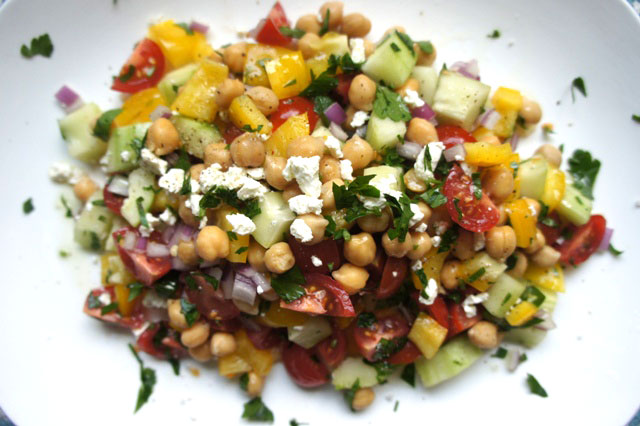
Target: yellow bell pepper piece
{"type": "Point", "coordinates": [484, 154]}
{"type": "Point", "coordinates": [125, 307]}
{"type": "Point", "coordinates": [260, 360]}
{"type": "Point", "coordinates": [179, 47]}
{"type": "Point", "coordinates": [137, 108]}
{"type": "Point", "coordinates": [482, 133]}
{"type": "Point", "coordinates": [523, 222]}
{"type": "Point", "coordinates": [280, 317]}
{"type": "Point", "coordinates": [548, 278]}
{"type": "Point", "coordinates": [197, 99]}
{"type": "Point", "coordinates": [505, 125]}
{"type": "Point", "coordinates": [554, 186]}
{"type": "Point", "coordinates": [243, 112]}
{"type": "Point", "coordinates": [317, 65]}
{"type": "Point", "coordinates": [288, 74]}
{"type": "Point", "coordinates": [505, 99]}
{"type": "Point", "coordinates": [113, 271]}
{"type": "Point", "coordinates": [295, 127]}
{"type": "Point", "coordinates": [254, 68]}
{"type": "Point", "coordinates": [232, 365]}
{"type": "Point", "coordinates": [521, 313]}
{"type": "Point", "coordinates": [431, 265]}
{"type": "Point", "coordinates": [240, 244]}
{"type": "Point", "coordinates": [427, 335]}
{"type": "Point", "coordinates": [332, 44]}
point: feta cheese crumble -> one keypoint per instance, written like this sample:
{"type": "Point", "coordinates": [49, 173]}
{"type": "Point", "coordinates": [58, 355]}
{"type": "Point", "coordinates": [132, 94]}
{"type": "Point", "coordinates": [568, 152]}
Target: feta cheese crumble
{"type": "Point", "coordinates": [151, 162]}
{"type": "Point", "coordinates": [435, 152]}
{"type": "Point", "coordinates": [125, 155]}
{"type": "Point", "coordinates": [416, 265]}
{"type": "Point", "coordinates": [470, 302]}
{"type": "Point", "coordinates": [256, 173]}
{"type": "Point", "coordinates": [241, 224]}
{"type": "Point", "coordinates": [436, 240]}
{"type": "Point", "coordinates": [301, 231]}
{"type": "Point", "coordinates": [64, 173]}
{"type": "Point", "coordinates": [478, 241]}
{"type": "Point", "coordinates": [301, 204]}
{"type": "Point", "coordinates": [430, 291]}
{"type": "Point", "coordinates": [105, 298]}
{"type": "Point", "coordinates": [385, 185]}
{"type": "Point", "coordinates": [417, 214]}
{"type": "Point", "coordinates": [316, 261]}
{"type": "Point", "coordinates": [412, 99]}
{"type": "Point", "coordinates": [359, 118]}
{"type": "Point", "coordinates": [251, 188]}
{"type": "Point", "coordinates": [346, 170]}
{"type": "Point", "coordinates": [334, 146]}
{"type": "Point", "coordinates": [306, 171]}
{"type": "Point", "coordinates": [167, 217]}
{"type": "Point", "coordinates": [172, 181]}
{"type": "Point", "coordinates": [357, 50]}
{"type": "Point", "coordinates": [421, 228]}
{"type": "Point", "coordinates": [193, 203]}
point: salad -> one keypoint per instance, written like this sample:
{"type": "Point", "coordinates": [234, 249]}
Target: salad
{"type": "Point", "coordinates": [312, 197]}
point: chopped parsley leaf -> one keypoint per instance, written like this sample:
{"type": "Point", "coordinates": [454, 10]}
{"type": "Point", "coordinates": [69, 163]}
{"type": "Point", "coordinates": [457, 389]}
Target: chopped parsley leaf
{"type": "Point", "coordinates": [500, 353]}
{"type": "Point", "coordinates": [102, 129]}
{"type": "Point", "coordinates": [135, 289]}
{"type": "Point", "coordinates": [578, 83]}
{"type": "Point", "coordinates": [636, 118]}
{"type": "Point", "coordinates": [248, 128]}
{"type": "Point", "coordinates": [222, 195]}
{"type": "Point", "coordinates": [409, 374]}
{"type": "Point", "coordinates": [425, 46]}
{"type": "Point", "coordinates": [141, 212]}
{"type": "Point", "coordinates": [109, 308]}
{"type": "Point", "coordinates": [366, 320]}
{"type": "Point", "coordinates": [242, 250]}
{"type": "Point", "coordinates": [27, 206]}
{"type": "Point", "coordinates": [448, 239]}
{"type": "Point", "coordinates": [402, 214]}
{"type": "Point", "coordinates": [40, 45]}
{"type": "Point", "coordinates": [244, 381]}
{"type": "Point", "coordinates": [456, 202]}
{"type": "Point", "coordinates": [350, 393]}
{"type": "Point", "coordinates": [476, 275]}
{"type": "Point", "coordinates": [477, 185]}
{"type": "Point", "coordinates": [325, 23]}
{"type": "Point", "coordinates": [290, 83]}
{"type": "Point", "coordinates": [614, 251]}
{"type": "Point", "coordinates": [255, 410]}
{"type": "Point", "coordinates": [320, 105]}
{"type": "Point", "coordinates": [391, 158]}
{"type": "Point", "coordinates": [395, 47]}
{"type": "Point", "coordinates": [395, 406]}
{"type": "Point", "coordinates": [584, 170]}
{"type": "Point", "coordinates": [406, 40]}
{"type": "Point", "coordinates": [289, 285]}
{"type": "Point", "coordinates": [232, 235]}
{"type": "Point", "coordinates": [148, 379]}
{"type": "Point", "coordinates": [189, 311]}
{"type": "Point", "coordinates": [127, 75]}
{"type": "Point", "coordinates": [506, 299]}
{"type": "Point", "coordinates": [535, 387]}
{"type": "Point", "coordinates": [175, 364]}
{"type": "Point", "coordinates": [389, 104]}
{"type": "Point", "coordinates": [63, 253]}
{"type": "Point", "coordinates": [185, 27]}
{"type": "Point", "coordinates": [183, 160]}
{"type": "Point", "coordinates": [65, 204]}
{"type": "Point", "coordinates": [387, 347]}
{"type": "Point", "coordinates": [523, 357]}
{"type": "Point", "coordinates": [434, 196]}
{"type": "Point", "coordinates": [332, 230]}
{"type": "Point", "coordinates": [292, 32]}
{"type": "Point", "coordinates": [494, 34]}
{"type": "Point", "coordinates": [99, 203]}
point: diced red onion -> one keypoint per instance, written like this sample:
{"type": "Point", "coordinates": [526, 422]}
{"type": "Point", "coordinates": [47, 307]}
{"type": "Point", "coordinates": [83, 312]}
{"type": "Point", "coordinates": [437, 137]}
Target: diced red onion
{"type": "Point", "coordinates": [469, 69]}
{"type": "Point", "coordinates": [227, 282]}
{"type": "Point", "coordinates": [409, 150]}
{"type": "Point", "coordinates": [199, 27]}
{"type": "Point", "coordinates": [424, 111]}
{"type": "Point", "coordinates": [157, 250]}
{"type": "Point", "coordinates": [129, 241]}
{"type": "Point", "coordinates": [179, 265]}
{"type": "Point", "coordinates": [455, 153]}
{"type": "Point", "coordinates": [514, 360]}
{"type": "Point", "coordinates": [361, 131]}
{"type": "Point", "coordinates": [337, 131]}
{"type": "Point", "coordinates": [453, 141]}
{"type": "Point", "coordinates": [606, 239]}
{"type": "Point", "coordinates": [489, 119]}
{"type": "Point", "coordinates": [257, 278]}
{"type": "Point", "coordinates": [335, 113]}
{"type": "Point", "coordinates": [68, 98]}
{"type": "Point", "coordinates": [183, 233]}
{"type": "Point", "coordinates": [141, 244]}
{"type": "Point", "coordinates": [119, 185]}
{"type": "Point", "coordinates": [547, 323]}
{"type": "Point", "coordinates": [243, 290]}
{"type": "Point", "coordinates": [210, 264]}
{"type": "Point", "coordinates": [214, 272]}
{"type": "Point", "coordinates": [515, 138]}
{"type": "Point", "coordinates": [161, 111]}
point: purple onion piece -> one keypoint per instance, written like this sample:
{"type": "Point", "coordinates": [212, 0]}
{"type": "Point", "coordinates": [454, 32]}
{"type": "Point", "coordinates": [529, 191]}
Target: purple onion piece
{"type": "Point", "coordinates": [455, 153]}
{"type": "Point", "coordinates": [243, 290]}
{"type": "Point", "coordinates": [179, 265]}
{"type": "Point", "coordinates": [515, 138]}
{"type": "Point", "coordinates": [67, 97]}
{"type": "Point", "coordinates": [606, 239]}
{"type": "Point", "coordinates": [489, 119]}
{"type": "Point", "coordinates": [227, 282]}
{"type": "Point", "coordinates": [514, 360]}
{"type": "Point", "coordinates": [199, 27]}
{"type": "Point", "coordinates": [141, 244]}
{"type": "Point", "coordinates": [424, 111]}
{"type": "Point", "coordinates": [409, 150]}
{"type": "Point", "coordinates": [337, 131]}
{"type": "Point", "coordinates": [335, 113]}
{"type": "Point", "coordinates": [157, 250]}
{"type": "Point", "coordinates": [469, 69]}
{"type": "Point", "coordinates": [161, 111]}
{"type": "Point", "coordinates": [129, 241]}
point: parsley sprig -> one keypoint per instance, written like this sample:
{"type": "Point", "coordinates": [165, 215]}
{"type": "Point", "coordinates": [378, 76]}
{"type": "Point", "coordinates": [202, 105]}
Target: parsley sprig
{"type": "Point", "coordinates": [389, 104]}
{"type": "Point", "coordinates": [40, 45]}
{"type": "Point", "coordinates": [289, 285]}
{"type": "Point", "coordinates": [402, 214]}
{"type": "Point", "coordinates": [584, 170]}
{"type": "Point", "coordinates": [148, 379]}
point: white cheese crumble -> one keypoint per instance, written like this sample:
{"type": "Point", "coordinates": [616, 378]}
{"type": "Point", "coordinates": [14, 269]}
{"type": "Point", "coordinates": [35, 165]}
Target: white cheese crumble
{"type": "Point", "coordinates": [436, 240]}
{"type": "Point", "coordinates": [359, 118]}
{"type": "Point", "coordinates": [412, 99]}
{"type": "Point", "coordinates": [306, 171]}
{"type": "Point", "coordinates": [358, 54]}
{"type": "Point", "coordinates": [435, 152]}
{"type": "Point", "coordinates": [417, 214]}
{"type": "Point", "coordinates": [317, 262]}
{"type": "Point", "coordinates": [301, 231]}
{"type": "Point", "coordinates": [119, 185]}
{"type": "Point", "coordinates": [125, 155]}
{"type": "Point", "coordinates": [137, 332]}
{"type": "Point", "coordinates": [421, 228]}
{"type": "Point", "coordinates": [172, 180]}
{"type": "Point", "coordinates": [301, 204]}
{"type": "Point", "coordinates": [334, 146]}
{"type": "Point", "coordinates": [346, 170]}
{"type": "Point", "coordinates": [193, 203]}
{"type": "Point", "coordinates": [466, 169]}
{"type": "Point", "coordinates": [167, 217]}
{"type": "Point", "coordinates": [251, 188]}
{"type": "Point", "coordinates": [153, 163]}
{"type": "Point", "coordinates": [241, 224]}
{"type": "Point", "coordinates": [470, 302]}
{"type": "Point", "coordinates": [65, 173]}
{"type": "Point", "coordinates": [430, 291]}
{"type": "Point", "coordinates": [256, 173]}
{"type": "Point", "coordinates": [152, 223]}
{"type": "Point", "coordinates": [416, 265]}
{"type": "Point", "coordinates": [105, 298]}
{"type": "Point", "coordinates": [385, 185]}
{"type": "Point", "coordinates": [394, 274]}
{"type": "Point", "coordinates": [152, 300]}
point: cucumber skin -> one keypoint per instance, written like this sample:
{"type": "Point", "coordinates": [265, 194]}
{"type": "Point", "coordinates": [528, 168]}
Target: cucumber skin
{"type": "Point", "coordinates": [533, 174]}
{"type": "Point", "coordinates": [195, 135]}
{"type": "Point", "coordinates": [528, 337]}
{"type": "Point", "coordinates": [383, 133]}
{"type": "Point", "coordinates": [453, 358]}
{"type": "Point", "coordinates": [352, 369]}
{"type": "Point", "coordinates": [428, 80]}
{"type": "Point", "coordinates": [273, 221]}
{"type": "Point", "coordinates": [89, 231]}
{"type": "Point", "coordinates": [77, 129]}
{"type": "Point", "coordinates": [504, 285]}
{"type": "Point", "coordinates": [390, 66]}
{"type": "Point", "coordinates": [121, 140]}
{"type": "Point", "coordinates": [458, 99]}
{"type": "Point", "coordinates": [575, 207]}
{"type": "Point", "coordinates": [138, 180]}
{"type": "Point", "coordinates": [175, 78]}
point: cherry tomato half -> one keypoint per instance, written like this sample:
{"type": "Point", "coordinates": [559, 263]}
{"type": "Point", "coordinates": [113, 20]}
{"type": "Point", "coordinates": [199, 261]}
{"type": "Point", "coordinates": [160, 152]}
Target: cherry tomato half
{"type": "Point", "coordinates": [332, 350]}
{"type": "Point", "coordinates": [458, 319]}
{"type": "Point", "coordinates": [438, 309]}
{"type": "Point", "coordinates": [408, 354]}
{"type": "Point", "coordinates": [231, 133]}
{"type": "Point", "coordinates": [209, 301]}
{"type": "Point", "coordinates": [144, 68]}
{"type": "Point", "coordinates": [394, 273]}
{"type": "Point", "coordinates": [324, 296]}
{"type": "Point", "coordinates": [291, 107]}
{"type": "Point", "coordinates": [585, 241]}
{"type": "Point", "coordinates": [327, 251]}
{"type": "Point", "coordinates": [159, 340]}
{"type": "Point", "coordinates": [387, 327]}
{"type": "Point", "coordinates": [112, 201]}
{"type": "Point", "coordinates": [452, 135]}
{"type": "Point", "coordinates": [146, 269]}
{"type": "Point", "coordinates": [302, 368]}
{"type": "Point", "coordinates": [268, 31]}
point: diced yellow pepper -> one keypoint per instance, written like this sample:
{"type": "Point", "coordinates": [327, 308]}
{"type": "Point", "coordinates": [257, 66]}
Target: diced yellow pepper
{"type": "Point", "coordinates": [280, 317]}
{"type": "Point", "coordinates": [288, 74]}
{"type": "Point", "coordinates": [232, 365]}
{"type": "Point", "coordinates": [179, 47]}
{"type": "Point", "coordinates": [521, 313]}
{"type": "Point", "coordinates": [317, 65]}
{"type": "Point", "coordinates": [431, 265]}
{"type": "Point", "coordinates": [522, 221]}
{"type": "Point", "coordinates": [548, 278]}
{"type": "Point", "coordinates": [295, 127]}
{"type": "Point", "coordinates": [505, 125]}
{"type": "Point", "coordinates": [125, 307]}
{"type": "Point", "coordinates": [260, 360]}
{"type": "Point", "coordinates": [554, 186]}
{"type": "Point", "coordinates": [243, 112]}
{"type": "Point", "coordinates": [257, 56]}
{"type": "Point", "coordinates": [240, 244]}
{"type": "Point", "coordinates": [113, 271]}
{"type": "Point", "coordinates": [332, 44]}
{"type": "Point", "coordinates": [484, 154]}
{"type": "Point", "coordinates": [137, 108]}
{"type": "Point", "coordinates": [505, 99]}
{"type": "Point", "coordinates": [482, 133]}
{"type": "Point", "coordinates": [427, 335]}
{"type": "Point", "coordinates": [197, 99]}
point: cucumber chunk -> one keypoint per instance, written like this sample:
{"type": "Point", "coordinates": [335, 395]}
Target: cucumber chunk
{"type": "Point", "coordinates": [140, 184]}
{"type": "Point", "coordinates": [550, 300]}
{"type": "Point", "coordinates": [391, 62]}
{"type": "Point", "coordinates": [352, 370]}
{"type": "Point", "coordinates": [122, 155]}
{"type": "Point", "coordinates": [310, 333]}
{"type": "Point", "coordinates": [384, 133]}
{"type": "Point", "coordinates": [273, 221]}
{"type": "Point", "coordinates": [77, 129]}
{"type": "Point", "coordinates": [533, 174]}
{"type": "Point", "coordinates": [528, 337]}
{"type": "Point", "coordinates": [458, 99]}
{"type": "Point", "coordinates": [503, 295]}
{"type": "Point", "coordinates": [92, 228]}
{"type": "Point", "coordinates": [492, 268]}
{"type": "Point", "coordinates": [382, 173]}
{"type": "Point", "coordinates": [172, 81]}
{"type": "Point", "coordinates": [575, 207]}
{"type": "Point", "coordinates": [453, 358]}
{"type": "Point", "coordinates": [117, 223]}
{"type": "Point", "coordinates": [196, 135]}
{"type": "Point", "coordinates": [428, 80]}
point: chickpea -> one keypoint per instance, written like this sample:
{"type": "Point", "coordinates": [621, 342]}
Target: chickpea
{"type": "Point", "coordinates": [503, 215]}
{"type": "Point", "coordinates": [537, 243]}
{"type": "Point", "coordinates": [423, 57]}
{"type": "Point", "coordinates": [162, 137]}
{"type": "Point", "coordinates": [551, 154]}
{"type": "Point", "coordinates": [247, 150]}
{"type": "Point", "coordinates": [195, 335]}
{"type": "Point", "coordinates": [235, 56]}
{"type": "Point", "coordinates": [273, 167]}
{"type": "Point", "coordinates": [421, 245]}
{"type": "Point", "coordinates": [353, 278]}
{"type": "Point", "coordinates": [264, 98]}
{"type": "Point", "coordinates": [84, 188]}
{"type": "Point", "coordinates": [359, 152]}
{"type": "Point", "coordinates": [484, 335]}
{"type": "Point", "coordinates": [335, 13]}
{"type": "Point", "coordinates": [350, 112]}
{"type": "Point", "coordinates": [317, 224]}
{"type": "Point", "coordinates": [176, 317]}
{"type": "Point", "coordinates": [212, 243]}
{"type": "Point", "coordinates": [308, 45]}
{"type": "Point", "coordinates": [356, 25]}
{"type": "Point", "coordinates": [372, 223]}
{"type": "Point", "coordinates": [279, 258]}
{"type": "Point", "coordinates": [306, 146]}
{"type": "Point", "coordinates": [498, 183]}
{"type": "Point", "coordinates": [195, 171]}
{"type": "Point", "coordinates": [291, 191]}
{"type": "Point", "coordinates": [362, 399]}
{"type": "Point", "coordinates": [534, 206]}
{"type": "Point", "coordinates": [186, 214]}
{"type": "Point", "coordinates": [450, 274]}
{"type": "Point", "coordinates": [500, 242]}
{"type": "Point", "coordinates": [463, 248]}
{"type": "Point", "coordinates": [309, 24]}
{"type": "Point", "coordinates": [201, 353]}
{"type": "Point", "coordinates": [187, 252]}
{"type": "Point", "coordinates": [546, 257]}
{"type": "Point", "coordinates": [362, 93]}
{"type": "Point", "coordinates": [530, 111]}
{"type": "Point", "coordinates": [521, 265]}
{"type": "Point", "coordinates": [255, 384]}
{"type": "Point", "coordinates": [326, 194]}
{"type": "Point", "coordinates": [369, 48]}
{"type": "Point", "coordinates": [360, 249]}
{"type": "Point", "coordinates": [218, 153]}
{"type": "Point", "coordinates": [228, 91]}
{"type": "Point", "coordinates": [255, 256]}
{"type": "Point", "coordinates": [223, 344]}
{"type": "Point", "coordinates": [410, 84]}
{"type": "Point", "coordinates": [421, 131]}
{"type": "Point", "coordinates": [397, 28]}
{"type": "Point", "coordinates": [329, 168]}
{"type": "Point", "coordinates": [396, 248]}
{"type": "Point", "coordinates": [413, 182]}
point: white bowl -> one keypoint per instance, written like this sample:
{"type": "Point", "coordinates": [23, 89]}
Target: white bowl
{"type": "Point", "coordinates": [59, 366]}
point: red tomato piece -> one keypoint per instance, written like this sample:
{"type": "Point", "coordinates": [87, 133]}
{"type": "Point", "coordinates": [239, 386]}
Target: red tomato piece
{"type": "Point", "coordinates": [151, 343]}
{"type": "Point", "coordinates": [376, 268]}
{"type": "Point", "coordinates": [112, 201]}
{"type": "Point", "coordinates": [324, 296]}
{"type": "Point", "coordinates": [552, 233]}
{"type": "Point", "coordinates": [408, 354]}
{"type": "Point", "coordinates": [394, 273]}
{"type": "Point", "coordinates": [585, 241]}
{"type": "Point", "coordinates": [268, 30]}
{"type": "Point", "coordinates": [344, 84]}
{"type": "Point", "coordinates": [452, 135]}
{"type": "Point", "coordinates": [146, 269]}
{"type": "Point", "coordinates": [438, 310]}
{"type": "Point", "coordinates": [304, 371]}
{"type": "Point", "coordinates": [144, 68]}
{"type": "Point", "coordinates": [387, 327]}
{"type": "Point", "coordinates": [327, 251]}
{"type": "Point", "coordinates": [231, 133]}
{"type": "Point", "coordinates": [458, 319]}
{"type": "Point", "coordinates": [263, 337]}
{"type": "Point", "coordinates": [332, 350]}
{"type": "Point", "coordinates": [228, 326]}
{"type": "Point", "coordinates": [464, 208]}
{"type": "Point", "coordinates": [210, 302]}
{"type": "Point", "coordinates": [291, 107]}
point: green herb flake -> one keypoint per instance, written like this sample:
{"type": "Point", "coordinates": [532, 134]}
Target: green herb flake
{"type": "Point", "coordinates": [330, 266]}
{"type": "Point", "coordinates": [99, 203]}
{"type": "Point", "coordinates": [387, 347]}
{"type": "Point", "coordinates": [40, 45]}
{"type": "Point", "coordinates": [395, 406]}
{"type": "Point", "coordinates": [391, 158]}
{"type": "Point", "coordinates": [95, 241]}
{"type": "Point", "coordinates": [584, 170]}
{"type": "Point", "coordinates": [242, 250]}
{"type": "Point", "coordinates": [244, 381]}
{"type": "Point", "coordinates": [189, 311]}
{"type": "Point", "coordinates": [256, 411]}
{"type": "Point", "coordinates": [350, 393]}
{"type": "Point", "coordinates": [535, 387]}
{"type": "Point", "coordinates": [127, 75]}
{"type": "Point", "coordinates": [523, 357]}
{"type": "Point", "coordinates": [232, 235]}
{"type": "Point", "coordinates": [456, 202]}
{"type": "Point", "coordinates": [636, 118]}
{"type": "Point", "coordinates": [148, 379]}
{"type": "Point", "coordinates": [102, 129]}
{"type": "Point", "coordinates": [175, 365]}
{"type": "Point", "coordinates": [366, 320]}
{"type": "Point", "coordinates": [109, 308]}
{"type": "Point", "coordinates": [63, 253]}
{"type": "Point", "coordinates": [183, 160]}
{"type": "Point", "coordinates": [294, 422]}
{"type": "Point", "coordinates": [395, 47]}
{"type": "Point", "coordinates": [477, 185]}
{"type": "Point", "coordinates": [389, 104]}
{"type": "Point", "coordinates": [289, 285]}
{"type": "Point", "coordinates": [506, 299]}
{"type": "Point", "coordinates": [578, 83]}
{"type": "Point", "coordinates": [614, 251]}
{"type": "Point", "coordinates": [65, 204]}
{"type": "Point", "coordinates": [402, 214]}
{"type": "Point", "coordinates": [185, 27]}
{"type": "Point", "coordinates": [27, 206]}
{"type": "Point", "coordinates": [433, 196]}
{"type": "Point", "coordinates": [409, 374]}
{"type": "Point", "coordinates": [425, 46]}
{"type": "Point", "coordinates": [494, 34]}
{"type": "Point", "coordinates": [292, 32]}
{"type": "Point", "coordinates": [141, 212]}
{"type": "Point", "coordinates": [476, 275]}
{"type": "Point", "coordinates": [325, 23]}
{"type": "Point", "coordinates": [500, 353]}
{"type": "Point", "coordinates": [135, 289]}
{"type": "Point", "coordinates": [448, 239]}
{"type": "Point", "coordinates": [406, 40]}
{"type": "Point", "coordinates": [290, 83]}
{"type": "Point", "coordinates": [320, 105]}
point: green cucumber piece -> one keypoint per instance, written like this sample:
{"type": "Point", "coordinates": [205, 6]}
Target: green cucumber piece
{"type": "Point", "coordinates": [121, 141]}
{"type": "Point", "coordinates": [528, 337]}
{"type": "Point", "coordinates": [428, 80]}
{"type": "Point", "coordinates": [141, 183]}
{"type": "Point", "coordinates": [458, 99]}
{"type": "Point", "coordinates": [383, 133]}
{"type": "Point", "coordinates": [503, 295]}
{"type": "Point", "coordinates": [273, 221]}
{"type": "Point", "coordinates": [196, 135]}
{"type": "Point", "coordinates": [117, 223]}
{"type": "Point", "coordinates": [391, 62]}
{"type": "Point", "coordinates": [453, 358]}
{"type": "Point", "coordinates": [575, 207]}
{"type": "Point", "coordinates": [310, 333]}
{"type": "Point", "coordinates": [492, 268]}
{"type": "Point", "coordinates": [382, 173]}
{"type": "Point", "coordinates": [352, 370]}
{"type": "Point", "coordinates": [92, 228]}
{"type": "Point", "coordinates": [77, 129]}
{"type": "Point", "coordinates": [533, 174]}
{"type": "Point", "coordinates": [172, 81]}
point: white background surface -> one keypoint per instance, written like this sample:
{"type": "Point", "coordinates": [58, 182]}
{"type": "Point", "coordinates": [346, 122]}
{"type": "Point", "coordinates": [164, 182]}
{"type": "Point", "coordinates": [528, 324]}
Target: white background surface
{"type": "Point", "coordinates": [58, 366]}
